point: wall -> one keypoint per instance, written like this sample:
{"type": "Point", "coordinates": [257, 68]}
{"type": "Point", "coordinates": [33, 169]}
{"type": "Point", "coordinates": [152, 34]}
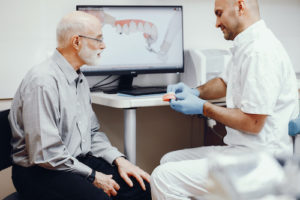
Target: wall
{"type": "Point", "coordinates": [283, 18]}
{"type": "Point", "coordinates": [159, 130]}
{"type": "Point", "coordinates": [29, 36]}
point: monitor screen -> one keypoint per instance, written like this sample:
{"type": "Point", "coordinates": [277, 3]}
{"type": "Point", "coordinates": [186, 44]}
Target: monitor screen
{"type": "Point", "coordinates": [138, 39]}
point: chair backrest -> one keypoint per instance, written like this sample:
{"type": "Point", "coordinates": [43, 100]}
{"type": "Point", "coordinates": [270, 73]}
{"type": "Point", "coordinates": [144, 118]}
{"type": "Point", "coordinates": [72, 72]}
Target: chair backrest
{"type": "Point", "coordinates": [5, 137]}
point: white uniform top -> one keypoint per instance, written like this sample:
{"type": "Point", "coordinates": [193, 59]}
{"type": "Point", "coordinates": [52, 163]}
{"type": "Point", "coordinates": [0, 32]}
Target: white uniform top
{"type": "Point", "coordinates": [261, 80]}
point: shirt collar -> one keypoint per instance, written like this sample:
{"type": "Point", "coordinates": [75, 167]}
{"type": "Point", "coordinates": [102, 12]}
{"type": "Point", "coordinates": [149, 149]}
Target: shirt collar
{"type": "Point", "coordinates": [249, 34]}
{"type": "Point", "coordinates": [65, 67]}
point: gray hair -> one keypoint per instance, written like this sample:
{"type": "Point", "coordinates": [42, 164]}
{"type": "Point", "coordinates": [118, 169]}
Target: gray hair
{"type": "Point", "coordinates": [72, 24]}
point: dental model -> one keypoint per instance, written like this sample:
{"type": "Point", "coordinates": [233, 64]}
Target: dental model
{"type": "Point", "coordinates": [169, 96]}
{"type": "Point", "coordinates": [148, 29]}
{"type": "Point", "coordinates": [128, 26]}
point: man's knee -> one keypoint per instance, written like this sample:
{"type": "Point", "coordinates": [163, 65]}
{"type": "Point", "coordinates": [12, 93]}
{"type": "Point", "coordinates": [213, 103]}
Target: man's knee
{"type": "Point", "coordinates": [169, 157]}
{"type": "Point", "coordinates": [159, 176]}
{"type": "Point", "coordinates": [161, 181]}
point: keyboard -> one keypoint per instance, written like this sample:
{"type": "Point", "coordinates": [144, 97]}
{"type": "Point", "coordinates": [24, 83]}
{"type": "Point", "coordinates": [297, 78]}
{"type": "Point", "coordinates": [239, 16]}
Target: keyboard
{"type": "Point", "coordinates": [144, 90]}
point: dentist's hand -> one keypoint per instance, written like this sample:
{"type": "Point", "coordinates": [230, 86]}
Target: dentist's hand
{"type": "Point", "coordinates": [294, 126]}
{"type": "Point", "coordinates": [188, 103]}
{"type": "Point", "coordinates": [181, 87]}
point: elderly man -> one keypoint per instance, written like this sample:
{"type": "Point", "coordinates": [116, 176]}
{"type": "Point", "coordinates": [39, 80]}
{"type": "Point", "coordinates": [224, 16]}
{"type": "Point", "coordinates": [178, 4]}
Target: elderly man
{"type": "Point", "coordinates": [58, 152]}
{"type": "Point", "coordinates": [261, 96]}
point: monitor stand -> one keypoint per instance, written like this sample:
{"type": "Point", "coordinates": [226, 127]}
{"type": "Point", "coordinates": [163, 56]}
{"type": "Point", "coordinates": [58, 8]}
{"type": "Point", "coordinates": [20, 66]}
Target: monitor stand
{"type": "Point", "coordinates": [125, 87]}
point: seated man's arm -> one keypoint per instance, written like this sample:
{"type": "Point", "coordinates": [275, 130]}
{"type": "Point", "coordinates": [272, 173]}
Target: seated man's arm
{"type": "Point", "coordinates": [235, 118]}
{"type": "Point", "coordinates": [101, 146]}
{"type": "Point", "coordinates": [213, 89]}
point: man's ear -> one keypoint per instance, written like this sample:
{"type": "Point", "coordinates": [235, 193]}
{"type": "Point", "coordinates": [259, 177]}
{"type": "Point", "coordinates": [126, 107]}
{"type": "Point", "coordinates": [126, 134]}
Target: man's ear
{"type": "Point", "coordinates": [242, 6]}
{"type": "Point", "coordinates": [75, 42]}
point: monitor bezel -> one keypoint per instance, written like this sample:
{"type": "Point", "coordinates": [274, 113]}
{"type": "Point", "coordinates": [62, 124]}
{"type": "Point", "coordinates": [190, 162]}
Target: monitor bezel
{"type": "Point", "coordinates": [137, 71]}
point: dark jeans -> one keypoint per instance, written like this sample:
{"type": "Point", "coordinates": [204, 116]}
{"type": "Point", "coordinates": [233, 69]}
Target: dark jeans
{"type": "Point", "coordinates": [37, 183]}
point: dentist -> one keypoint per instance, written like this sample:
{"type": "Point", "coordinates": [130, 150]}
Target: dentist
{"type": "Point", "coordinates": [261, 97]}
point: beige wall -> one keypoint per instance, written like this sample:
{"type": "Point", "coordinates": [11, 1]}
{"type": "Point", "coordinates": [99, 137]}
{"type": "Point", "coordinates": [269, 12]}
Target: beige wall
{"type": "Point", "coordinates": [6, 185]}
{"type": "Point", "coordinates": [37, 40]}
{"type": "Point", "coordinates": [159, 130]}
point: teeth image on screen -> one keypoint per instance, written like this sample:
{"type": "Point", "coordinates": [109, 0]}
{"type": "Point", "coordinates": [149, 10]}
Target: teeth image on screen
{"type": "Point", "coordinates": [143, 37]}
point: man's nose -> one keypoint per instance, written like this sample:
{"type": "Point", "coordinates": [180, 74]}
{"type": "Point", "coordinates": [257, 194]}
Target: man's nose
{"type": "Point", "coordinates": [218, 24]}
{"type": "Point", "coordinates": [102, 45]}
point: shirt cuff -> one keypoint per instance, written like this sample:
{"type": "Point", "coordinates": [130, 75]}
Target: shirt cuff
{"type": "Point", "coordinates": [111, 155]}
{"type": "Point", "coordinates": [82, 169]}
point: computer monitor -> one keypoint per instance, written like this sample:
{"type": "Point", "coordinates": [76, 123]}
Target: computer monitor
{"type": "Point", "coordinates": [139, 40]}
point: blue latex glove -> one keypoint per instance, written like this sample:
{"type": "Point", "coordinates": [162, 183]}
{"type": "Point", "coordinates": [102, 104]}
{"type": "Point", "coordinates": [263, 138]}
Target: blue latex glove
{"type": "Point", "coordinates": [187, 103]}
{"type": "Point", "coordinates": [294, 126]}
{"type": "Point", "coordinates": [181, 87]}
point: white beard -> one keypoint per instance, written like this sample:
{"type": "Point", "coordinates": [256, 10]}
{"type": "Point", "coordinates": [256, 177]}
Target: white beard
{"type": "Point", "coordinates": [90, 57]}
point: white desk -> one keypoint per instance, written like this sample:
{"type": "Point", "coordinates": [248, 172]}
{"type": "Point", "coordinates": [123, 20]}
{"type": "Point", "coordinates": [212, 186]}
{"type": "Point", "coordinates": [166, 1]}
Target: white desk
{"type": "Point", "coordinates": [129, 104]}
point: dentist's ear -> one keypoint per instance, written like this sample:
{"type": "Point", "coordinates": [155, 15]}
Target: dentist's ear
{"type": "Point", "coordinates": [75, 41]}
{"type": "Point", "coordinates": [242, 6]}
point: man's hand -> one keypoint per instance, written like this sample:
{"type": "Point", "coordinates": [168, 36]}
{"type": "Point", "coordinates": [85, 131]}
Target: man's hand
{"type": "Point", "coordinates": [127, 169]}
{"type": "Point", "coordinates": [187, 103]}
{"type": "Point", "coordinates": [106, 183]}
{"type": "Point", "coordinates": [181, 87]}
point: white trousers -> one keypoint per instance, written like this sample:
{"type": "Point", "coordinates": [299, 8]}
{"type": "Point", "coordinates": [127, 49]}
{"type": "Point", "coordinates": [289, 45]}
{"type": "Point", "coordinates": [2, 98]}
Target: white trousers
{"type": "Point", "coordinates": [182, 174]}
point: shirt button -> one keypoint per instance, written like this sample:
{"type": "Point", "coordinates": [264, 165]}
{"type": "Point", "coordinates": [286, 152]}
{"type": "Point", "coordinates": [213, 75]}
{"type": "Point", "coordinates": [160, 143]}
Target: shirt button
{"type": "Point", "coordinates": [83, 140]}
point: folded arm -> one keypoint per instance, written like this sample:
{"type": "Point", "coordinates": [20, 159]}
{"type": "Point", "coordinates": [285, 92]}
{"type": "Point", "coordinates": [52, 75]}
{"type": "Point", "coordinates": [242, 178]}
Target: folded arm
{"type": "Point", "coordinates": [213, 89]}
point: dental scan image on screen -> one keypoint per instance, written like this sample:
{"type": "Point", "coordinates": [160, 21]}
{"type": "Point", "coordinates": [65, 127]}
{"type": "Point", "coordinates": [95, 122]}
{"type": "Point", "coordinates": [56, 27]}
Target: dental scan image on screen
{"type": "Point", "coordinates": [139, 37]}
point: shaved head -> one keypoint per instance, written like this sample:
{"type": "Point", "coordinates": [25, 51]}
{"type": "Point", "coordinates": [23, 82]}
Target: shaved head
{"type": "Point", "coordinates": [75, 23]}
{"type": "Point", "coordinates": [249, 2]}
{"type": "Point", "coordinates": [252, 7]}
{"type": "Point", "coordinates": [234, 16]}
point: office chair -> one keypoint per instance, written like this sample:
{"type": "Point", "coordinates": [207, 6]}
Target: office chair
{"type": "Point", "coordinates": [295, 133]}
{"type": "Point", "coordinates": [5, 148]}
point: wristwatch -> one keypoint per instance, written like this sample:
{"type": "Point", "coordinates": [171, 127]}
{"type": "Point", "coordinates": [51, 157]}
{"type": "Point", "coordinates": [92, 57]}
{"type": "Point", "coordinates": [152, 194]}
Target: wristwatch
{"type": "Point", "coordinates": [91, 177]}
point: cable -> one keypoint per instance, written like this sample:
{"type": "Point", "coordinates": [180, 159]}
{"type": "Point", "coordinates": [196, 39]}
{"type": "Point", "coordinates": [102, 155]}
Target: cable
{"type": "Point", "coordinates": [109, 82]}
{"type": "Point", "coordinates": [216, 133]}
{"type": "Point", "coordinates": [100, 87]}
{"type": "Point", "coordinates": [95, 85]}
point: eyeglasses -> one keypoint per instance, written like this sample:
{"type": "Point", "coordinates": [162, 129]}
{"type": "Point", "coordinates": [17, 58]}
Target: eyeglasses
{"type": "Point", "coordinates": [98, 40]}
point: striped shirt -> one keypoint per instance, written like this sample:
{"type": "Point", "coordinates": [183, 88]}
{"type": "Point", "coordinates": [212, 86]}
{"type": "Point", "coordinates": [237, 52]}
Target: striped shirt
{"type": "Point", "coordinates": [53, 122]}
